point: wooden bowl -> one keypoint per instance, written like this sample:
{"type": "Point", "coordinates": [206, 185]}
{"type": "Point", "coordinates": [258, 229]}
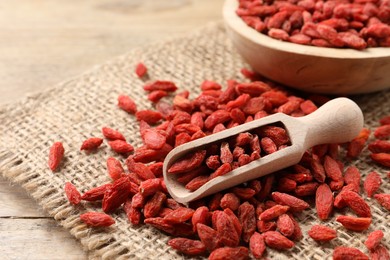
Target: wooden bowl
{"type": "Point", "coordinates": [309, 68]}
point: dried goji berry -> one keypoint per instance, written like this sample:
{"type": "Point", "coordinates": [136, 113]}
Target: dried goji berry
{"type": "Point", "coordinates": [382, 132]}
{"type": "Point", "coordinates": [141, 70]}
{"type": "Point", "coordinates": [322, 233]}
{"type": "Point", "coordinates": [96, 193]}
{"type": "Point", "coordinates": [154, 205]}
{"type": "Point", "coordinates": [120, 146]}
{"type": "Point", "coordinates": [208, 236]}
{"type": "Point", "coordinates": [247, 217]}
{"type": "Point", "coordinates": [324, 201]}
{"type": "Point", "coordinates": [97, 219]}
{"type": "Point", "coordinates": [116, 195]}
{"type": "Point", "coordinates": [306, 189]}
{"type": "Point", "coordinates": [257, 245]}
{"type": "Point", "coordinates": [356, 146]}
{"type": "Point", "coordinates": [112, 134]}
{"type": "Point", "coordinates": [372, 183]}
{"type": "Point", "coordinates": [276, 240]}
{"type": "Point", "coordinates": [231, 201]}
{"type": "Point", "coordinates": [197, 182]}
{"type": "Point", "coordinates": [352, 176]}
{"type": "Point", "coordinates": [188, 162]}
{"type": "Point", "coordinates": [286, 185]}
{"type": "Point", "coordinates": [379, 146]}
{"type": "Point", "coordinates": [354, 223]}
{"type": "Point", "coordinates": [222, 170]}
{"type": "Point", "coordinates": [150, 186]}
{"type": "Point", "coordinates": [385, 120]}
{"type": "Point", "coordinates": [294, 203]}
{"type": "Point", "coordinates": [153, 139]}
{"type": "Point", "coordinates": [115, 169]}
{"type": "Point", "coordinates": [56, 154]}
{"type": "Point", "coordinates": [356, 203]}
{"type": "Point", "coordinates": [168, 86]}
{"type": "Point", "coordinates": [226, 230]}
{"type": "Point", "coordinates": [133, 214]}
{"type": "Point", "coordinates": [343, 252]}
{"type": "Point", "coordinates": [244, 193]}
{"type": "Point", "coordinates": [273, 212]}
{"type": "Point", "coordinates": [127, 104]}
{"type": "Point", "coordinates": [230, 253]}
{"type": "Point", "coordinates": [285, 225]}
{"type": "Point", "coordinates": [149, 116]}
{"type": "Point", "coordinates": [187, 246]}
{"type": "Point", "coordinates": [179, 215]}
{"type": "Point", "coordinates": [72, 193]}
{"type": "Point", "coordinates": [383, 199]}
{"type": "Point", "coordinates": [217, 117]}
{"type": "Point", "coordinates": [91, 143]}
{"type": "Point", "coordinates": [381, 158]}
{"type": "Point", "coordinates": [200, 216]}
{"type": "Point", "coordinates": [374, 239]}
{"type": "Point", "coordinates": [380, 253]}
{"type": "Point", "coordinates": [317, 169]}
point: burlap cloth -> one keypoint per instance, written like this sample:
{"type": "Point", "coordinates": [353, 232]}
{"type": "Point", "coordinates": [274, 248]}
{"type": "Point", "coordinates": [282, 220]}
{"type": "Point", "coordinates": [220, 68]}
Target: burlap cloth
{"type": "Point", "coordinates": [79, 108]}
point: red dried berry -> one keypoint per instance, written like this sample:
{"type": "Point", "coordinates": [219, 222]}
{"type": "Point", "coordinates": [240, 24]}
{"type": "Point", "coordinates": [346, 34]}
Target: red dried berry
{"type": "Point", "coordinates": [141, 70]}
{"type": "Point", "coordinates": [72, 193]}
{"type": "Point", "coordinates": [273, 212]}
{"type": "Point", "coordinates": [374, 239]}
{"type": "Point", "coordinates": [115, 169]}
{"type": "Point", "coordinates": [380, 253]}
{"type": "Point", "coordinates": [343, 253]}
{"type": "Point", "coordinates": [187, 246]}
{"type": "Point", "coordinates": [208, 236]}
{"type": "Point", "coordinates": [383, 199]}
{"type": "Point", "coordinates": [285, 225]}
{"type": "Point", "coordinates": [230, 253]}
{"type": "Point", "coordinates": [116, 195]}
{"type": "Point", "coordinates": [353, 223]}
{"type": "Point", "coordinates": [127, 104]}
{"type": "Point", "coordinates": [97, 219]}
{"type": "Point", "coordinates": [257, 245]}
{"type": "Point", "coordinates": [247, 217]}
{"type": "Point", "coordinates": [356, 203]}
{"type": "Point", "coordinates": [322, 233]}
{"type": "Point", "coordinates": [96, 193]}
{"type": "Point", "coordinates": [168, 86]}
{"type": "Point", "coordinates": [120, 146]}
{"type": "Point", "coordinates": [382, 132]}
{"type": "Point", "coordinates": [381, 158]}
{"type": "Point", "coordinates": [276, 240]}
{"type": "Point", "coordinates": [91, 143]}
{"type": "Point", "coordinates": [294, 203]}
{"type": "Point", "coordinates": [324, 201]}
{"type": "Point", "coordinates": [56, 154]}
{"type": "Point", "coordinates": [179, 215]}
{"type": "Point", "coordinates": [372, 183]}
{"type": "Point", "coordinates": [149, 116]}
{"type": "Point", "coordinates": [188, 162]}
{"type": "Point", "coordinates": [112, 134]}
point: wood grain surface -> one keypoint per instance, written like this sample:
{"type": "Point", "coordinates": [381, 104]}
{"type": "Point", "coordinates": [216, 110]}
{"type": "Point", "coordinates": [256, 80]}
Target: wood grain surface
{"type": "Point", "coordinates": [44, 42]}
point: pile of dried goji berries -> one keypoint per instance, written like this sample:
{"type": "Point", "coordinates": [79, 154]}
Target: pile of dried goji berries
{"type": "Point", "coordinates": [244, 220]}
{"type": "Point", "coordinates": [354, 24]}
{"type": "Point", "coordinates": [217, 159]}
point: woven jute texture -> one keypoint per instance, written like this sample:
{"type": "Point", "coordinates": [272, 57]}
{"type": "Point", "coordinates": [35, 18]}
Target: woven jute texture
{"type": "Point", "coordinates": [79, 108]}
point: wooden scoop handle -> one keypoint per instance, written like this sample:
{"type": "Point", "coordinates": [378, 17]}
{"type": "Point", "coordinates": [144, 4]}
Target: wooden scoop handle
{"type": "Point", "coordinates": [337, 121]}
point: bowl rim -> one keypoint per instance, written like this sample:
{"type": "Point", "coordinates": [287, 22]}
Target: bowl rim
{"type": "Point", "coordinates": [239, 26]}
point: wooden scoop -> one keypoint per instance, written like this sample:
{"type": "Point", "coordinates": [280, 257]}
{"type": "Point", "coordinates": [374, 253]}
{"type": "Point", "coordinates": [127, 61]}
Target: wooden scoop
{"type": "Point", "coordinates": [337, 121]}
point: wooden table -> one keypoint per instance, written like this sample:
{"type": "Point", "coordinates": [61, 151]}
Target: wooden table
{"type": "Point", "coordinates": [44, 42]}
